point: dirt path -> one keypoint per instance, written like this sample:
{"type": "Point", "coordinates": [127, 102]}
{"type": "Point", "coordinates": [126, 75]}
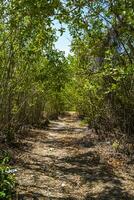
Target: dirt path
{"type": "Point", "coordinates": [65, 163]}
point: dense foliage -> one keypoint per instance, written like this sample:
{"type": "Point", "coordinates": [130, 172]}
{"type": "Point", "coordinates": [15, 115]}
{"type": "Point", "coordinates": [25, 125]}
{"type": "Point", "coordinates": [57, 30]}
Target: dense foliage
{"type": "Point", "coordinates": [31, 71]}
{"type": "Point", "coordinates": [104, 62]}
{"type": "Point", "coordinates": [97, 80]}
{"type": "Point", "coordinates": [7, 181]}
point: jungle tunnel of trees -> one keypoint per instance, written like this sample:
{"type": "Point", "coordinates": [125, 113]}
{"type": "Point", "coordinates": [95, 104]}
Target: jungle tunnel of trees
{"type": "Point", "coordinates": [96, 80]}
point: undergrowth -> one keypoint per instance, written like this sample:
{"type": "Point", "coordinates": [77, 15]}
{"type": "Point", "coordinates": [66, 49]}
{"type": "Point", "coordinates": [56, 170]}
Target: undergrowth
{"type": "Point", "coordinates": [7, 179]}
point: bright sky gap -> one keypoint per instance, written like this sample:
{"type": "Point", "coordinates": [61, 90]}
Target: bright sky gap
{"type": "Point", "coordinates": [64, 41]}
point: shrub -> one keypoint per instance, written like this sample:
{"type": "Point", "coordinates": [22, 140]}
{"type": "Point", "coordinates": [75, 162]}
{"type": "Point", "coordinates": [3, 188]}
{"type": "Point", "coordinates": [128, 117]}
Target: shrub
{"type": "Point", "coordinates": [7, 181]}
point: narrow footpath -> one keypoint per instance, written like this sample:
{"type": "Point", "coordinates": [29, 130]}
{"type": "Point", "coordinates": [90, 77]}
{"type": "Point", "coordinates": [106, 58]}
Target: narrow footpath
{"type": "Point", "coordinates": [67, 162]}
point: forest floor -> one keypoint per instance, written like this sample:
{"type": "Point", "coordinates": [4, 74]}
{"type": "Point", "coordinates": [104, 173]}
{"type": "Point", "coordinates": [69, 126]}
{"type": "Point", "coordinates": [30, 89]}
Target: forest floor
{"type": "Point", "coordinates": [68, 162]}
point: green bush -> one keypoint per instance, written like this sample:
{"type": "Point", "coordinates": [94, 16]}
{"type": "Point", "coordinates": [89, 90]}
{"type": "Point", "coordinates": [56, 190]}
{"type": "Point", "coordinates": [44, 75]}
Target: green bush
{"type": "Point", "coordinates": [7, 181]}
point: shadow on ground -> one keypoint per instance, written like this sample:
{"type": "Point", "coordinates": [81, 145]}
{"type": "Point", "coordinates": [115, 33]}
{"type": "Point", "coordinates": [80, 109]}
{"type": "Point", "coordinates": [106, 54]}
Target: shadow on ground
{"type": "Point", "coordinates": [66, 166]}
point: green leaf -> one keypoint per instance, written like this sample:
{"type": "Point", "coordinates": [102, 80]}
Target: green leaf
{"type": "Point", "coordinates": [2, 194]}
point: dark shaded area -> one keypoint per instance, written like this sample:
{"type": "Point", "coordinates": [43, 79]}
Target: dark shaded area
{"type": "Point", "coordinates": [83, 142]}
{"type": "Point", "coordinates": [87, 166]}
{"type": "Point", "coordinates": [115, 193]}
{"type": "Point", "coordinates": [66, 129]}
{"type": "Point", "coordinates": [38, 196]}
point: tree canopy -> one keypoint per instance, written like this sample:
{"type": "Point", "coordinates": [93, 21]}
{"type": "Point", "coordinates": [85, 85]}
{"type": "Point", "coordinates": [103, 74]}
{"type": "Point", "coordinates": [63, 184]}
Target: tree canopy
{"type": "Point", "coordinates": [97, 80]}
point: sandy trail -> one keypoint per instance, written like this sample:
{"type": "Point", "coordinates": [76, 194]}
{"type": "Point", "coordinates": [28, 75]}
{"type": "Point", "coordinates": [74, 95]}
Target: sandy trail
{"type": "Point", "coordinates": [65, 163]}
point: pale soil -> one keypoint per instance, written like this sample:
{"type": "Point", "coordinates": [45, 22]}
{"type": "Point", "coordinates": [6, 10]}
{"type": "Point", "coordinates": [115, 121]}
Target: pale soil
{"type": "Point", "coordinates": [67, 162]}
